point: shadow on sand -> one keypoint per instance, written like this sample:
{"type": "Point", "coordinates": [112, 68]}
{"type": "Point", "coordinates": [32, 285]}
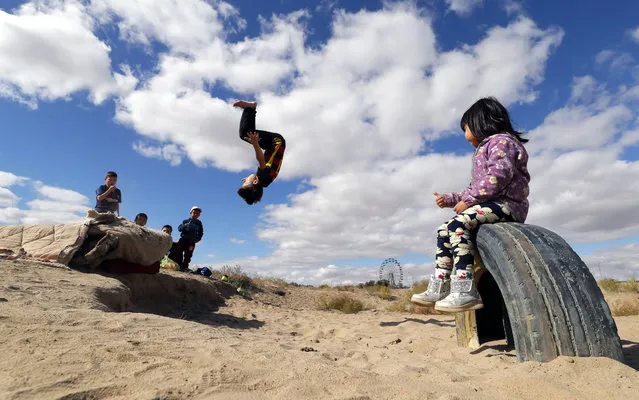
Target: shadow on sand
{"type": "Point", "coordinates": [447, 323]}
{"type": "Point", "coordinates": [174, 295]}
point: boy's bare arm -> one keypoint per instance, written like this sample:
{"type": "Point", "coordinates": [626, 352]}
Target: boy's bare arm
{"type": "Point", "coordinates": [254, 138]}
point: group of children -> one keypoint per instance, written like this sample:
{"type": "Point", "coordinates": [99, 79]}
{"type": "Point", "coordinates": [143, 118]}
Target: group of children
{"type": "Point", "coordinates": [498, 192]}
{"type": "Point", "coordinates": [108, 199]}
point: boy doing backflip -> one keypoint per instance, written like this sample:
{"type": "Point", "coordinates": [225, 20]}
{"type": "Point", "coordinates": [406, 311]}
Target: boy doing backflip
{"type": "Point", "coordinates": [269, 161]}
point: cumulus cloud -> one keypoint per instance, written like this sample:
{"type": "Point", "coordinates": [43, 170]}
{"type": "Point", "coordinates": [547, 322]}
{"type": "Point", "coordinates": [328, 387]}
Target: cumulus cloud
{"type": "Point", "coordinates": [378, 93]}
{"type": "Point", "coordinates": [41, 43]}
{"type": "Point", "coordinates": [351, 90]}
{"type": "Point", "coordinates": [634, 33]}
{"type": "Point", "coordinates": [51, 205]}
{"type": "Point", "coordinates": [9, 199]}
{"type": "Point", "coordinates": [184, 25]}
{"type": "Point", "coordinates": [463, 7]}
{"type": "Point", "coordinates": [237, 241]}
{"type": "Point", "coordinates": [170, 152]}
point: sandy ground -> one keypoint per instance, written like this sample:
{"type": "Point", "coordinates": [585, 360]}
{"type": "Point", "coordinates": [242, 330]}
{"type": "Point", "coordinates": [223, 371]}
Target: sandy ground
{"type": "Point", "coordinates": [180, 336]}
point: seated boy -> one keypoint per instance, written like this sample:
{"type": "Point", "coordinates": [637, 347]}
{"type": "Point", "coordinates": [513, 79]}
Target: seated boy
{"type": "Point", "coordinates": [269, 162]}
{"type": "Point", "coordinates": [108, 196]}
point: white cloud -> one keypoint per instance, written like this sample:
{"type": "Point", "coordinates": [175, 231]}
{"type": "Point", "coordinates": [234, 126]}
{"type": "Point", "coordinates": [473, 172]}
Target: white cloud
{"type": "Point", "coordinates": [184, 25]}
{"type": "Point", "coordinates": [60, 195]}
{"type": "Point", "coordinates": [170, 152]}
{"type": "Point", "coordinates": [377, 93]}
{"type": "Point", "coordinates": [618, 61]}
{"type": "Point", "coordinates": [8, 198]}
{"type": "Point", "coordinates": [634, 33]}
{"type": "Point", "coordinates": [618, 262]}
{"type": "Point", "coordinates": [352, 87]}
{"type": "Point", "coordinates": [41, 44]}
{"type": "Point", "coordinates": [52, 204]}
{"type": "Point", "coordinates": [463, 7]}
{"type": "Point", "coordinates": [237, 241]}
{"type": "Point", "coordinates": [8, 179]}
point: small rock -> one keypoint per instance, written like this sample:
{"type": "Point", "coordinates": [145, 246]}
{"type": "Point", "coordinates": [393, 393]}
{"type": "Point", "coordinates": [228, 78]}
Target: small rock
{"type": "Point", "coordinates": [571, 361]}
{"type": "Point", "coordinates": [294, 333]}
{"type": "Point", "coordinates": [396, 341]}
{"type": "Point", "coordinates": [3, 300]}
{"type": "Point", "coordinates": [307, 349]}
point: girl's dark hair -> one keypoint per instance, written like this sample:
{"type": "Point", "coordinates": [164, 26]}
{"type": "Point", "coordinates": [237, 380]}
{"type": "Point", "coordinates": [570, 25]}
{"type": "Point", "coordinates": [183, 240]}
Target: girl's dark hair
{"type": "Point", "coordinates": [488, 117]}
{"type": "Point", "coordinates": [168, 226]}
{"type": "Point", "coordinates": [142, 215]}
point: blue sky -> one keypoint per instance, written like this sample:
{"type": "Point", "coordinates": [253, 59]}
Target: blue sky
{"type": "Point", "coordinates": [368, 95]}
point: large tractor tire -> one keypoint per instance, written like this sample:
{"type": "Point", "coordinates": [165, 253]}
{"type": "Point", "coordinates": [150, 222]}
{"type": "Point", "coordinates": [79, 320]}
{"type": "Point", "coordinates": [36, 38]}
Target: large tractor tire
{"type": "Point", "coordinates": [554, 306]}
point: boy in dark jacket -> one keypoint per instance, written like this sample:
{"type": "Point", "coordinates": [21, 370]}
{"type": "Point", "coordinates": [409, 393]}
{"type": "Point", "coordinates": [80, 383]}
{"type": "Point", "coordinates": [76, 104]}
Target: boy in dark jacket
{"type": "Point", "coordinates": [192, 232]}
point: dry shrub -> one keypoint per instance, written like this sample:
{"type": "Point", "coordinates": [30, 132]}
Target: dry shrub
{"type": "Point", "coordinates": [383, 292]}
{"type": "Point", "coordinates": [324, 286]}
{"type": "Point", "coordinates": [237, 277]}
{"type": "Point", "coordinates": [345, 288]}
{"type": "Point", "coordinates": [276, 281]}
{"type": "Point", "coordinates": [624, 308]}
{"type": "Point", "coordinates": [609, 285]}
{"type": "Point", "coordinates": [631, 285]}
{"type": "Point", "coordinates": [340, 302]}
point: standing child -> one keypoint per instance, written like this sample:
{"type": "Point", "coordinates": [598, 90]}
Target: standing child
{"type": "Point", "coordinates": [192, 232]}
{"type": "Point", "coordinates": [108, 196]}
{"type": "Point", "coordinates": [498, 192]}
{"type": "Point", "coordinates": [269, 162]}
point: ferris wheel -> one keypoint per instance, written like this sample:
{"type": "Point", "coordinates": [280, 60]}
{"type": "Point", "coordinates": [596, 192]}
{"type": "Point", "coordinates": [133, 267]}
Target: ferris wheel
{"type": "Point", "coordinates": [391, 271]}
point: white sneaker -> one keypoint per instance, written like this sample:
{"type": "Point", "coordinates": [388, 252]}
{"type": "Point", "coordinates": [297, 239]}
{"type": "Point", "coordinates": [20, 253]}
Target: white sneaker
{"type": "Point", "coordinates": [463, 295]}
{"type": "Point", "coordinates": [437, 289]}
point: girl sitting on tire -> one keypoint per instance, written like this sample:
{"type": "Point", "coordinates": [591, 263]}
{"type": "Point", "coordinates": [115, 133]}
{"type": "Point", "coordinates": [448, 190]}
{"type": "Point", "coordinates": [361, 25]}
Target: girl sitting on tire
{"type": "Point", "coordinates": [498, 191]}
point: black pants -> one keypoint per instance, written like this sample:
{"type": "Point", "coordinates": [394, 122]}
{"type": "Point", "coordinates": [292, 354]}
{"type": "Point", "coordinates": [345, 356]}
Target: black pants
{"type": "Point", "coordinates": [247, 125]}
{"type": "Point", "coordinates": [181, 252]}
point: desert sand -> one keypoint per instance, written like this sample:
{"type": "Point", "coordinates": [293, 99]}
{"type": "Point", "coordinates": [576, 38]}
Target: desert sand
{"type": "Point", "coordinates": [66, 334]}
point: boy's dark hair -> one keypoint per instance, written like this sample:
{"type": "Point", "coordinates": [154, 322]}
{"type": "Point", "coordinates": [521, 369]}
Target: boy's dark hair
{"type": "Point", "coordinates": [488, 117]}
{"type": "Point", "coordinates": [251, 194]}
{"type": "Point", "coordinates": [168, 226]}
{"type": "Point", "coordinates": [111, 174]}
{"type": "Point", "coordinates": [142, 215]}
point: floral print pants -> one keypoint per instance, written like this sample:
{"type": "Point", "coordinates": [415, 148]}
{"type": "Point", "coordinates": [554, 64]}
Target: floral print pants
{"type": "Point", "coordinates": [455, 238]}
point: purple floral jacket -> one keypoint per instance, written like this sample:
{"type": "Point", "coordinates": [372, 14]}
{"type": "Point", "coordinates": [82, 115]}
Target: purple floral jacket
{"type": "Point", "coordinates": [500, 174]}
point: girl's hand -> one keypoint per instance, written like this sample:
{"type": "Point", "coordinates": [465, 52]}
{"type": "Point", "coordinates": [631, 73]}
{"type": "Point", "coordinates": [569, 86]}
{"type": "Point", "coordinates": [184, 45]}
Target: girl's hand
{"type": "Point", "coordinates": [439, 200]}
{"type": "Point", "coordinates": [460, 207]}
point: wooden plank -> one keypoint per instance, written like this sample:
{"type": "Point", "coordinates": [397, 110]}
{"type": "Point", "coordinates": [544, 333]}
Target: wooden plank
{"type": "Point", "coordinates": [466, 326]}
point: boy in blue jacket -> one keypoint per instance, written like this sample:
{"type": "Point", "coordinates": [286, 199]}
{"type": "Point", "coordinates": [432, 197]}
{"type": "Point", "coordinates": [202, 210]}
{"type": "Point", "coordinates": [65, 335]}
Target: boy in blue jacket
{"type": "Point", "coordinates": [191, 233]}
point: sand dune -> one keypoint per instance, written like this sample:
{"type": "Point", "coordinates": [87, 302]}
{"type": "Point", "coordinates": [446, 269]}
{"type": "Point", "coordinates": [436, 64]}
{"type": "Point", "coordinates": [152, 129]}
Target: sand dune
{"type": "Point", "coordinates": [71, 335]}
